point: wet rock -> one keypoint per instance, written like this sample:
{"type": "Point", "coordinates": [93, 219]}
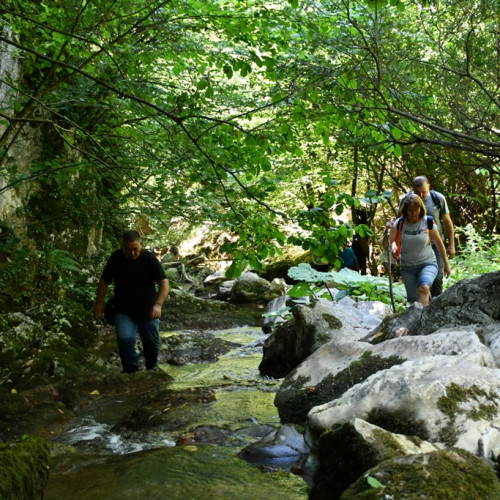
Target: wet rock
{"type": "Point", "coordinates": [193, 347]}
{"type": "Point", "coordinates": [283, 448]}
{"type": "Point", "coordinates": [280, 357]}
{"type": "Point", "coordinates": [347, 451]}
{"type": "Point", "coordinates": [155, 412]}
{"type": "Point", "coordinates": [441, 474]}
{"type": "Point", "coordinates": [183, 310]}
{"type": "Point", "coordinates": [205, 434]}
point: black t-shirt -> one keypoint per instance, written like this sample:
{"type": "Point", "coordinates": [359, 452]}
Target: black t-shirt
{"type": "Point", "coordinates": [135, 282]}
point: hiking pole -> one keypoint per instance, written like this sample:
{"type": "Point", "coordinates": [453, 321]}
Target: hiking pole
{"type": "Point", "coordinates": [389, 272]}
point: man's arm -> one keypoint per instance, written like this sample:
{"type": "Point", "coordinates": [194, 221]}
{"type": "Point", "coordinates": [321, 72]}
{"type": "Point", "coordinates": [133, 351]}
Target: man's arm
{"type": "Point", "coordinates": [160, 298]}
{"type": "Point", "coordinates": [449, 231]}
{"type": "Point", "coordinates": [101, 292]}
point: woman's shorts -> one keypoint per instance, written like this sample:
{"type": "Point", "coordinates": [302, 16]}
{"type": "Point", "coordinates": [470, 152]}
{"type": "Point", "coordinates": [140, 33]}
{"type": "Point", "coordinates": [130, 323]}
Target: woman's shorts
{"type": "Point", "coordinates": [416, 276]}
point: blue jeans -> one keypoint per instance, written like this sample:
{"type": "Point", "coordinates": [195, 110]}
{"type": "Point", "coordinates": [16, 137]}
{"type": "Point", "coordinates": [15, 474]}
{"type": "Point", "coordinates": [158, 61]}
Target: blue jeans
{"type": "Point", "coordinates": [437, 286]}
{"type": "Point", "coordinates": [415, 276]}
{"type": "Point", "coordinates": [126, 328]}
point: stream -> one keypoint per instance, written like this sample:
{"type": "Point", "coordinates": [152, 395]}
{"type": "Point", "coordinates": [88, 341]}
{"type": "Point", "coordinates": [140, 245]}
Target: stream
{"type": "Point", "coordinates": [94, 457]}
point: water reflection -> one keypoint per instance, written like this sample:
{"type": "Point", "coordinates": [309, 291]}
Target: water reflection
{"type": "Point", "coordinates": [94, 460]}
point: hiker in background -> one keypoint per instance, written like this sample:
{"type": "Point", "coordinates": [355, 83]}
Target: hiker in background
{"type": "Point", "coordinates": [157, 250]}
{"type": "Point", "coordinates": [388, 261]}
{"type": "Point", "coordinates": [175, 252]}
{"type": "Point", "coordinates": [411, 237]}
{"type": "Point", "coordinates": [436, 206]}
{"type": "Point", "coordinates": [348, 258]}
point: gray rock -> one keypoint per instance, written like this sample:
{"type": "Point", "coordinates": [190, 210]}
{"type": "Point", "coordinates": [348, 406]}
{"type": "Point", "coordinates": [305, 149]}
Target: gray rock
{"type": "Point", "coordinates": [314, 326]}
{"type": "Point", "coordinates": [349, 450]}
{"type": "Point", "coordinates": [282, 448]}
{"type": "Point", "coordinates": [249, 288]}
{"type": "Point", "coordinates": [468, 302]}
{"type": "Point", "coordinates": [453, 400]}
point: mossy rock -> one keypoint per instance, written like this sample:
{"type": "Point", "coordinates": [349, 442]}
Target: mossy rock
{"type": "Point", "coordinates": [193, 347]}
{"type": "Point", "coordinates": [451, 474]}
{"type": "Point", "coordinates": [344, 456]}
{"type": "Point", "coordinates": [294, 405]}
{"type": "Point", "coordinates": [183, 311]}
{"type": "Point", "coordinates": [24, 469]}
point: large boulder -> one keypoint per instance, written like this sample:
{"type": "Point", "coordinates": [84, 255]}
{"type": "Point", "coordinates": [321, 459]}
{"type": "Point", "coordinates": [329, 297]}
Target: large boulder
{"type": "Point", "coordinates": [341, 364]}
{"type": "Point", "coordinates": [469, 302]}
{"type": "Point", "coordinates": [311, 327]}
{"type": "Point", "coordinates": [249, 288]}
{"type": "Point", "coordinates": [347, 451]}
{"type": "Point", "coordinates": [439, 474]}
{"type": "Point", "coordinates": [452, 400]}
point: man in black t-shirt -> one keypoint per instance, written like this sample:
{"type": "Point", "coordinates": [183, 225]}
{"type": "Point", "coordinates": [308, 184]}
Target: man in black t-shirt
{"type": "Point", "coordinates": [135, 273]}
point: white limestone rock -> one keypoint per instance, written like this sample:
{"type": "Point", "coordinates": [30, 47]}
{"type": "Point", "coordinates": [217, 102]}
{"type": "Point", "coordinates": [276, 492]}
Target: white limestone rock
{"type": "Point", "coordinates": [455, 400]}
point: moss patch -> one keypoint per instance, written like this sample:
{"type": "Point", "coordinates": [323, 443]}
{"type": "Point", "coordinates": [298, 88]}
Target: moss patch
{"type": "Point", "coordinates": [333, 322]}
{"type": "Point", "coordinates": [453, 403]}
{"type": "Point", "coordinates": [294, 405]}
{"type": "Point", "coordinates": [398, 422]}
{"type": "Point", "coordinates": [24, 469]}
{"type": "Point", "coordinates": [444, 474]}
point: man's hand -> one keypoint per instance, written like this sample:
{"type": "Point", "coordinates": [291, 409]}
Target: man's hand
{"type": "Point", "coordinates": [451, 251]}
{"type": "Point", "coordinates": [156, 312]}
{"type": "Point", "coordinates": [98, 311]}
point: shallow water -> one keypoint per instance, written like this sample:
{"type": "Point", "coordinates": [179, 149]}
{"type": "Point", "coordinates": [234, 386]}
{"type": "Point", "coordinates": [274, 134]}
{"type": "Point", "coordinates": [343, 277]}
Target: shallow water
{"type": "Point", "coordinates": [91, 460]}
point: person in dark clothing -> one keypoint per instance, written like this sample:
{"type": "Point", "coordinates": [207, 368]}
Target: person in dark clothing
{"type": "Point", "coordinates": [135, 273]}
{"type": "Point", "coordinates": [348, 258]}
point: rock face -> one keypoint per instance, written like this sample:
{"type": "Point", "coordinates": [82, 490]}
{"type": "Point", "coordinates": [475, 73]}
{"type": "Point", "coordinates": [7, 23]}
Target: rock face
{"type": "Point", "coordinates": [431, 374]}
{"type": "Point", "coordinates": [313, 327]}
{"type": "Point", "coordinates": [468, 302]}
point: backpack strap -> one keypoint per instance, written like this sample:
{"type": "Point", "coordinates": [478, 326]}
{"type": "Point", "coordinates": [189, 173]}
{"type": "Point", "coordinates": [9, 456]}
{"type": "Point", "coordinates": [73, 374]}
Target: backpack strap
{"type": "Point", "coordinates": [437, 202]}
{"type": "Point", "coordinates": [430, 222]}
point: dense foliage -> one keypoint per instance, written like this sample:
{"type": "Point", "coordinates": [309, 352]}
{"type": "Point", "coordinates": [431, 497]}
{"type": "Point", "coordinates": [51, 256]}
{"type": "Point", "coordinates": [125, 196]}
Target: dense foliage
{"type": "Point", "coordinates": [273, 121]}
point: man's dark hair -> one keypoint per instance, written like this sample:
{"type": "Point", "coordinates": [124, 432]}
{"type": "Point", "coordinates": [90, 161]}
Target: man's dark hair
{"type": "Point", "coordinates": [130, 236]}
{"type": "Point", "coordinates": [418, 181]}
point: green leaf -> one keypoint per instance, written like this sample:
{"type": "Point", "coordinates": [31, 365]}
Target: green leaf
{"type": "Point", "coordinates": [374, 483]}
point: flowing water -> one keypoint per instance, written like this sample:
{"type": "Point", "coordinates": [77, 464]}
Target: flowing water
{"type": "Point", "coordinates": [92, 460]}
